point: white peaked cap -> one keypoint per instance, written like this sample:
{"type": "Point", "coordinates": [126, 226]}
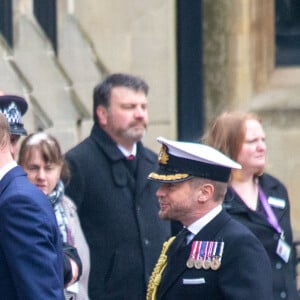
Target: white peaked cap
{"type": "Point", "coordinates": [179, 161]}
{"type": "Point", "coordinates": [199, 152]}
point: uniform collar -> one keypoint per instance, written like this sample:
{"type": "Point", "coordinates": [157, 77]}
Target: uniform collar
{"type": "Point", "coordinates": [195, 227]}
{"type": "Point", "coordinates": [5, 169]}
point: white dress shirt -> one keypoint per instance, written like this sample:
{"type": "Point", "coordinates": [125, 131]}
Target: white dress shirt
{"type": "Point", "coordinates": [126, 152]}
{"type": "Point", "coordinates": [7, 168]}
{"type": "Point", "coordinates": [195, 227]}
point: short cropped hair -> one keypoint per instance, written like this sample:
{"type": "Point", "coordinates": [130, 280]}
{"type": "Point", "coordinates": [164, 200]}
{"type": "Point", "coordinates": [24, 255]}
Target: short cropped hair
{"type": "Point", "coordinates": [220, 188]}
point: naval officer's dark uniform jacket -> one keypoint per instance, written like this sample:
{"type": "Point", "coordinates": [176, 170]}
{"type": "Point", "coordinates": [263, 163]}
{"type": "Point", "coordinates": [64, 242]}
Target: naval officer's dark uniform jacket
{"type": "Point", "coordinates": [118, 214]}
{"type": "Point", "coordinates": [244, 273]}
{"type": "Point", "coordinates": [283, 274]}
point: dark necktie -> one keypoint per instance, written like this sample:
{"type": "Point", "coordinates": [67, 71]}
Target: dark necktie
{"type": "Point", "coordinates": [131, 163]}
{"type": "Point", "coordinates": [179, 242]}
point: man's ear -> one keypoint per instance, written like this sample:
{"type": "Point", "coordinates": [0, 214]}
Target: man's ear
{"type": "Point", "coordinates": [206, 192]}
{"type": "Point", "coordinates": [101, 113]}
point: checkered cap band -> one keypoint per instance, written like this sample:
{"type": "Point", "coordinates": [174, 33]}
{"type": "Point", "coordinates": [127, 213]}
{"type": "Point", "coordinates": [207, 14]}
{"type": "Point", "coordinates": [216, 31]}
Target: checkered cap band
{"type": "Point", "coordinates": [12, 113]}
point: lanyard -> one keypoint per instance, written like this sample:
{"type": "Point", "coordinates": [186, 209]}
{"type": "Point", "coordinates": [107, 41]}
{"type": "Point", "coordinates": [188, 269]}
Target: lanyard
{"type": "Point", "coordinates": [269, 212]}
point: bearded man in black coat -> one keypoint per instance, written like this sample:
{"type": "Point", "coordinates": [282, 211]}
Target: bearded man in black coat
{"type": "Point", "coordinates": [116, 203]}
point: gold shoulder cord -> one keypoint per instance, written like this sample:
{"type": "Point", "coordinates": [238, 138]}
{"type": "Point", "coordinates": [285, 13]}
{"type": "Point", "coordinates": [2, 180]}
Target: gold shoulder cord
{"type": "Point", "coordinates": [158, 270]}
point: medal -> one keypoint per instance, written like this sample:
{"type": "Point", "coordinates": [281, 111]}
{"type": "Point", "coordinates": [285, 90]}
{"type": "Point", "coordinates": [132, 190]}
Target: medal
{"type": "Point", "coordinates": [198, 260]}
{"type": "Point", "coordinates": [216, 261]}
{"type": "Point", "coordinates": [205, 263]}
{"type": "Point", "coordinates": [198, 263]}
{"type": "Point", "coordinates": [190, 262]}
{"type": "Point", "coordinates": [208, 256]}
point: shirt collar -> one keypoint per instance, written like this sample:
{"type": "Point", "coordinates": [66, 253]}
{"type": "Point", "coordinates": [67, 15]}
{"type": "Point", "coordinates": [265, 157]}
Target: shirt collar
{"type": "Point", "coordinates": [195, 227]}
{"type": "Point", "coordinates": [5, 169]}
{"type": "Point", "coordinates": [126, 152]}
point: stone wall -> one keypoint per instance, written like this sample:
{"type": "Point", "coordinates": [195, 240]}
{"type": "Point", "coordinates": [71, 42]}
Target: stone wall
{"type": "Point", "coordinates": [240, 74]}
{"type": "Point", "coordinates": [238, 52]}
{"type": "Point", "coordinates": [138, 37]}
{"type": "Point", "coordinates": [97, 37]}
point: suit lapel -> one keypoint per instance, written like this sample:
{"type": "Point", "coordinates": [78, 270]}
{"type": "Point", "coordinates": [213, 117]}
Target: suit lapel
{"type": "Point", "coordinates": [176, 264]}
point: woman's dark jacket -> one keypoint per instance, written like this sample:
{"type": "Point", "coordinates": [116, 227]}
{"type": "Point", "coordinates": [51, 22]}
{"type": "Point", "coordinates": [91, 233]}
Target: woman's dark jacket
{"type": "Point", "coordinates": [284, 274]}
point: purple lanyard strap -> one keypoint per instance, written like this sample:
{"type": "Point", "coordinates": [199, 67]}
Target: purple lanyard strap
{"type": "Point", "coordinates": [269, 212]}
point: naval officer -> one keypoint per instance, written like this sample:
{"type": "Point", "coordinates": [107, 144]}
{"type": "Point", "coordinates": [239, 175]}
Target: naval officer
{"type": "Point", "coordinates": [214, 257]}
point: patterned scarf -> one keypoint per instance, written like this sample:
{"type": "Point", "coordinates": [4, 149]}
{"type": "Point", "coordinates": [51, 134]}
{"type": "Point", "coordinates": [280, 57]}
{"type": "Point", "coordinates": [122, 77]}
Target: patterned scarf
{"type": "Point", "coordinates": [55, 198]}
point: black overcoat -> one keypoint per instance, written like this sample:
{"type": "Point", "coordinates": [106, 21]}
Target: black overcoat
{"type": "Point", "coordinates": [284, 275]}
{"type": "Point", "coordinates": [118, 214]}
{"type": "Point", "coordinates": [244, 274]}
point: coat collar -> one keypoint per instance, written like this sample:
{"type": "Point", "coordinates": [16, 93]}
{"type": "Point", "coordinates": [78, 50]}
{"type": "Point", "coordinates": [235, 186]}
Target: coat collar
{"type": "Point", "coordinates": [147, 161]}
{"type": "Point", "coordinates": [110, 148]}
{"type": "Point", "coordinates": [106, 143]}
{"type": "Point", "coordinates": [235, 205]}
{"type": "Point", "coordinates": [267, 182]}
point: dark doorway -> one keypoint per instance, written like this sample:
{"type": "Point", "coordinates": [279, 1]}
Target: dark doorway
{"type": "Point", "coordinates": [287, 36]}
{"type": "Point", "coordinates": [190, 70]}
{"type": "Point", "coordinates": [45, 13]}
{"type": "Point", "coordinates": [6, 27]}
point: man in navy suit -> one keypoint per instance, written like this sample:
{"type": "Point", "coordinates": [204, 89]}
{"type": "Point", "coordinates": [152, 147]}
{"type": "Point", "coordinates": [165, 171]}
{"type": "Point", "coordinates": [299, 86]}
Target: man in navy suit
{"type": "Point", "coordinates": [214, 257]}
{"type": "Point", "coordinates": [31, 263]}
{"type": "Point", "coordinates": [13, 108]}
